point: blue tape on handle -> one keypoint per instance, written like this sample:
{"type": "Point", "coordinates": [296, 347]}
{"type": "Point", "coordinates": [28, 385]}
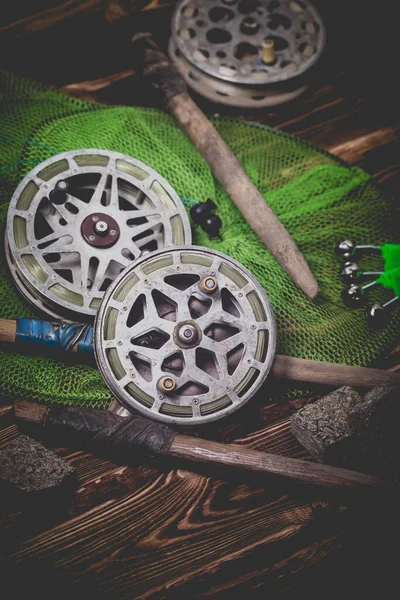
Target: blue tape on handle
{"type": "Point", "coordinates": [85, 343]}
{"type": "Point", "coordinates": [55, 335]}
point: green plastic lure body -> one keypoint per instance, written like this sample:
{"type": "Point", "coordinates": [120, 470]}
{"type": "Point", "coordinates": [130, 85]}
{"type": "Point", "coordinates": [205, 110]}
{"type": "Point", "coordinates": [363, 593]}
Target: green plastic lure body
{"type": "Point", "coordinates": [391, 256]}
{"type": "Point", "coordinates": [390, 279]}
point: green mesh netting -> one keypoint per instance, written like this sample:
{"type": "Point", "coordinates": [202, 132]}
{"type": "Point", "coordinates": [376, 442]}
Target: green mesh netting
{"type": "Point", "coordinates": [318, 198]}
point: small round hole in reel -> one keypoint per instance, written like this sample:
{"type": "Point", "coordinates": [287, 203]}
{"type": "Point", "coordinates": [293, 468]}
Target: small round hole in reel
{"type": "Point", "coordinates": [81, 217]}
{"type": "Point", "coordinates": [185, 335]}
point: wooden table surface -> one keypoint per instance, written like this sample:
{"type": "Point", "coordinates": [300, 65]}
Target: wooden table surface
{"type": "Point", "coordinates": [161, 530]}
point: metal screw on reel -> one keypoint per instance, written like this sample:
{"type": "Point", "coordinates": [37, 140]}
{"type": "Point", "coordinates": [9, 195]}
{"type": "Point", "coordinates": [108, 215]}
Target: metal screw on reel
{"type": "Point", "coordinates": [246, 53]}
{"type": "Point", "coordinates": [81, 217]}
{"type": "Point", "coordinates": [176, 353]}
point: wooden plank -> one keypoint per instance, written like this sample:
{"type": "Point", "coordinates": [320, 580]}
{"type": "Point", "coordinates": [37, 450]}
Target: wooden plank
{"type": "Point", "coordinates": [186, 522]}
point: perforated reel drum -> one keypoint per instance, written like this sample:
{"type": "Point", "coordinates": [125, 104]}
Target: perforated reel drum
{"type": "Point", "coordinates": [186, 335]}
{"type": "Point", "coordinates": [246, 53]}
{"type": "Point", "coordinates": [81, 217]}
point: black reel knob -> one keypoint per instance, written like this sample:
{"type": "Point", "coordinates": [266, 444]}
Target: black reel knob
{"type": "Point", "coordinates": [201, 211]}
{"type": "Point", "coordinates": [212, 225]}
{"type": "Point", "coordinates": [58, 194]}
{"type": "Point", "coordinates": [202, 214]}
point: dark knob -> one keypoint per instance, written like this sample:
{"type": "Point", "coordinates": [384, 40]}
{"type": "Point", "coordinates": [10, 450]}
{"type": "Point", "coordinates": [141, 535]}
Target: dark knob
{"type": "Point", "coordinates": [212, 225]}
{"type": "Point", "coordinates": [201, 211]}
{"type": "Point", "coordinates": [58, 194]}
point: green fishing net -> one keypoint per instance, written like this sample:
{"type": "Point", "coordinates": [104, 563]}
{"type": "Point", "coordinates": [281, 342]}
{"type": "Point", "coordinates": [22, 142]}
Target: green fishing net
{"type": "Point", "coordinates": [317, 197]}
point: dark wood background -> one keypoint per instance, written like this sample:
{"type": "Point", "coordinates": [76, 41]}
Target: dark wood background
{"type": "Point", "coordinates": [163, 530]}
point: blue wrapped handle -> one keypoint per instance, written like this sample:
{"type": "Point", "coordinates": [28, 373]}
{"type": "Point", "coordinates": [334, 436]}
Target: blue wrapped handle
{"type": "Point", "coordinates": [62, 335]}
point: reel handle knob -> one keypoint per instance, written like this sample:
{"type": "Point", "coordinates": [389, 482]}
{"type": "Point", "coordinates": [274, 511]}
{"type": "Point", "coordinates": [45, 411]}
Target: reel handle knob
{"type": "Point", "coordinates": [201, 211]}
{"type": "Point", "coordinates": [212, 225]}
{"type": "Point", "coordinates": [58, 194]}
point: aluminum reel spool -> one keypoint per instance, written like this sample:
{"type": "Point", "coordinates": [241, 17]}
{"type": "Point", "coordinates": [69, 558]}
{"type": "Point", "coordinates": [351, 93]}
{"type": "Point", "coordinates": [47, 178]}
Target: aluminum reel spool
{"type": "Point", "coordinates": [218, 48]}
{"type": "Point", "coordinates": [81, 217]}
{"type": "Point", "coordinates": [185, 335]}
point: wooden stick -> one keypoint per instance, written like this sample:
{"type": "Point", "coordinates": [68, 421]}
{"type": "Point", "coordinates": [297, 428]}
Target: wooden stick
{"type": "Point", "coordinates": [225, 166]}
{"type": "Point", "coordinates": [190, 448]}
{"type": "Point", "coordinates": [242, 191]}
{"type": "Point", "coordinates": [290, 368]}
{"type": "Point", "coordinates": [312, 371]}
{"type": "Point", "coordinates": [8, 329]}
{"type": "Point", "coordinates": [93, 85]}
{"type": "Point", "coordinates": [295, 469]}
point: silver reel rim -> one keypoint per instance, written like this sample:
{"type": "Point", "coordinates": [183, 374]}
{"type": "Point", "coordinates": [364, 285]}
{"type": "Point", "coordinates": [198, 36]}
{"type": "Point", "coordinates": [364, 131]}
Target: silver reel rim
{"type": "Point", "coordinates": [234, 342]}
{"type": "Point", "coordinates": [229, 69]}
{"type": "Point", "coordinates": [146, 211]}
{"type": "Point", "coordinates": [229, 94]}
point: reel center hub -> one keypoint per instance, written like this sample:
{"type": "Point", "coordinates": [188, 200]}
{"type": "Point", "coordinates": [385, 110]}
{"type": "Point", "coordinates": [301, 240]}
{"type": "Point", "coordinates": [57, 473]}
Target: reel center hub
{"type": "Point", "coordinates": [100, 230]}
{"type": "Point", "coordinates": [187, 334]}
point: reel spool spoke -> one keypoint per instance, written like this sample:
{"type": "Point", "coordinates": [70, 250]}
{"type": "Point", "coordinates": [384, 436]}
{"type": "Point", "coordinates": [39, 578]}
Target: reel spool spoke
{"type": "Point", "coordinates": [86, 276]}
{"type": "Point", "coordinates": [223, 348]}
{"type": "Point", "coordinates": [99, 190]}
{"type": "Point", "coordinates": [198, 349]}
{"type": "Point", "coordinates": [223, 317]}
{"type": "Point", "coordinates": [113, 197]}
{"type": "Point", "coordinates": [123, 260]}
{"type": "Point", "coordinates": [67, 262]}
{"type": "Point", "coordinates": [100, 275]}
{"type": "Point", "coordinates": [104, 209]}
{"type": "Point", "coordinates": [64, 213]}
{"type": "Point", "coordinates": [141, 229]}
{"type": "Point", "coordinates": [74, 205]}
{"type": "Point", "coordinates": [148, 213]}
{"type": "Point", "coordinates": [151, 354]}
{"type": "Point", "coordinates": [60, 242]}
{"type": "Point", "coordinates": [183, 312]}
{"type": "Point", "coordinates": [149, 239]}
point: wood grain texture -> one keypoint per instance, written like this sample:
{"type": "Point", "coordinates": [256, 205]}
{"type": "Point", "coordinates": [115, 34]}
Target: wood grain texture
{"type": "Point", "coordinates": [311, 371]}
{"type": "Point", "coordinates": [61, 11]}
{"type": "Point", "coordinates": [153, 532]}
{"type": "Point", "coordinates": [8, 329]}
{"type": "Point", "coordinates": [267, 464]}
{"type": "Point", "coordinates": [122, 434]}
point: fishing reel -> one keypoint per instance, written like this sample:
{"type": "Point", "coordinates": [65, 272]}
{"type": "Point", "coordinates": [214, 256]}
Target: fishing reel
{"type": "Point", "coordinates": [183, 334]}
{"type": "Point", "coordinates": [356, 294]}
{"type": "Point", "coordinates": [186, 335]}
{"type": "Point", "coordinates": [246, 53]}
{"type": "Point", "coordinates": [80, 218]}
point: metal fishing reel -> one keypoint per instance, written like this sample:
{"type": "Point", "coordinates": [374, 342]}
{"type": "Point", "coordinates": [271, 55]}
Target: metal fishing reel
{"type": "Point", "coordinates": [185, 335]}
{"type": "Point", "coordinates": [246, 53]}
{"type": "Point", "coordinates": [81, 217]}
